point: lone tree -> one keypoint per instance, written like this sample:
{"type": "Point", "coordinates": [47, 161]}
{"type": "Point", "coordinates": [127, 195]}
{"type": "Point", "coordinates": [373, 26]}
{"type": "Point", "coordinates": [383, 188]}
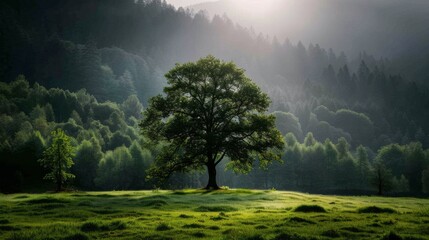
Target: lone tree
{"type": "Point", "coordinates": [210, 110]}
{"type": "Point", "coordinates": [58, 158]}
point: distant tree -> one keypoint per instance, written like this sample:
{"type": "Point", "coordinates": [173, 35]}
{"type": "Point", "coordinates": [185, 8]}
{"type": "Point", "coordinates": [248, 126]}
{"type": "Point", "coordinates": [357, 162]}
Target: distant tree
{"type": "Point", "coordinates": [401, 185]}
{"type": "Point", "coordinates": [58, 158]}
{"type": "Point", "coordinates": [87, 159]}
{"type": "Point", "coordinates": [287, 122]}
{"type": "Point", "coordinates": [414, 166]}
{"type": "Point", "coordinates": [290, 139]}
{"type": "Point", "coordinates": [132, 107]}
{"type": "Point", "coordinates": [115, 170]}
{"type": "Point", "coordinates": [363, 165]}
{"type": "Point", "coordinates": [309, 140]}
{"type": "Point", "coordinates": [381, 177]}
{"type": "Point", "coordinates": [342, 148]}
{"type": "Point", "coordinates": [210, 110]}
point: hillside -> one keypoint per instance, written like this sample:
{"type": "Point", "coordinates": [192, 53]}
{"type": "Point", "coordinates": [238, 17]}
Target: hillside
{"type": "Point", "coordinates": [194, 214]}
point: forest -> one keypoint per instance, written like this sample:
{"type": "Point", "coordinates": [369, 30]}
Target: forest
{"type": "Point", "coordinates": [90, 68]}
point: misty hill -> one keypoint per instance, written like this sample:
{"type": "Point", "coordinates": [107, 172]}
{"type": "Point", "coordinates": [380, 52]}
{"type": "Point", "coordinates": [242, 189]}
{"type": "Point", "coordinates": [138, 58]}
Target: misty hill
{"type": "Point", "coordinates": [118, 48]}
{"type": "Point", "coordinates": [393, 29]}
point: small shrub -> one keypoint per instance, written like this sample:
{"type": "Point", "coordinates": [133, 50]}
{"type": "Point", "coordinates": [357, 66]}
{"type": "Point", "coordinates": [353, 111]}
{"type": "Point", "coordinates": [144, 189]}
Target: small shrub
{"type": "Point", "coordinates": [163, 227]}
{"type": "Point", "coordinates": [375, 209]}
{"type": "Point", "coordinates": [214, 228]}
{"type": "Point", "coordinates": [184, 216]}
{"type": "Point", "coordinates": [309, 208]}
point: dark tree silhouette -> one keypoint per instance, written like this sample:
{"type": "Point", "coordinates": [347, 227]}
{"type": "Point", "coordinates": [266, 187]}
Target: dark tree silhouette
{"type": "Point", "coordinates": [210, 110]}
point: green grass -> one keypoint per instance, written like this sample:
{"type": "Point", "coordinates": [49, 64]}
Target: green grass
{"type": "Point", "coordinates": [197, 214]}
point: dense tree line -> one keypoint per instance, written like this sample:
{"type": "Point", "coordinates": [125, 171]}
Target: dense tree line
{"type": "Point", "coordinates": [112, 155]}
{"type": "Point", "coordinates": [110, 152]}
{"type": "Point", "coordinates": [118, 48]}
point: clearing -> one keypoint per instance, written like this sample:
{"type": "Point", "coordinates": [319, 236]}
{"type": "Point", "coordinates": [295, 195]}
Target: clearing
{"type": "Point", "coordinates": [223, 214]}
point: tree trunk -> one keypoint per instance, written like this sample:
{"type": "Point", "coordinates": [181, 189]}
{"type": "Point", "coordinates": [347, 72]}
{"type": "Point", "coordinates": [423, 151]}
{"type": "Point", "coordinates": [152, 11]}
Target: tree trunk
{"type": "Point", "coordinates": [212, 185]}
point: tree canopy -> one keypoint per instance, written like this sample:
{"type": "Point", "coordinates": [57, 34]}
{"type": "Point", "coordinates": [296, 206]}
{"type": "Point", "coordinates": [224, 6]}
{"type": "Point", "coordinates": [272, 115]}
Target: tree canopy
{"type": "Point", "coordinates": [58, 158]}
{"type": "Point", "coordinates": [210, 110]}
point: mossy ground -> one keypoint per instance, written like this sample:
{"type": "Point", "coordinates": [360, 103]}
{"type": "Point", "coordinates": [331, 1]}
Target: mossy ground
{"type": "Point", "coordinates": [197, 214]}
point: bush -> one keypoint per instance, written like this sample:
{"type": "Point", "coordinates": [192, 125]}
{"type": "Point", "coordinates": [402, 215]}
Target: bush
{"type": "Point", "coordinates": [163, 227]}
{"type": "Point", "coordinates": [309, 208]}
{"type": "Point", "coordinates": [391, 236]}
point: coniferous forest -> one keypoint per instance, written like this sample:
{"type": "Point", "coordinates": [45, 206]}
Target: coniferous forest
{"type": "Point", "coordinates": [350, 124]}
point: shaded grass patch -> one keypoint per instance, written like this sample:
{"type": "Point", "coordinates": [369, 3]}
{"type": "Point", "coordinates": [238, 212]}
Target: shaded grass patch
{"type": "Point", "coordinates": [375, 209]}
{"type": "Point", "coordinates": [300, 220]}
{"type": "Point", "coordinates": [46, 201]}
{"type": "Point", "coordinates": [193, 225]}
{"type": "Point", "coordinates": [199, 235]}
{"type": "Point", "coordinates": [163, 227]}
{"type": "Point", "coordinates": [309, 208]}
{"type": "Point", "coordinates": [4, 221]}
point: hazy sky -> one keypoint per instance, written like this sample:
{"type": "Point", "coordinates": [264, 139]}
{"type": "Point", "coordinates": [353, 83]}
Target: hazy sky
{"type": "Point", "coordinates": [185, 3]}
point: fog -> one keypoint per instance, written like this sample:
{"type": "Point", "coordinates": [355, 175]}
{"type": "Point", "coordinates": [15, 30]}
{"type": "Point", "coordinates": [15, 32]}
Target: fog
{"type": "Point", "coordinates": [383, 27]}
{"type": "Point", "coordinates": [186, 3]}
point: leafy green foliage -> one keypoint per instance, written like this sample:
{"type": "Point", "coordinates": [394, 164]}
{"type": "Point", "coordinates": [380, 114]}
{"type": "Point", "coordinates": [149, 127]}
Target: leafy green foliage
{"type": "Point", "coordinates": [25, 131]}
{"type": "Point", "coordinates": [58, 159]}
{"type": "Point", "coordinates": [211, 110]}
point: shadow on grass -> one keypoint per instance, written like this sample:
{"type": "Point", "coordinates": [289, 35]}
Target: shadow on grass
{"type": "Point", "coordinates": [309, 208]}
{"type": "Point", "coordinates": [375, 209]}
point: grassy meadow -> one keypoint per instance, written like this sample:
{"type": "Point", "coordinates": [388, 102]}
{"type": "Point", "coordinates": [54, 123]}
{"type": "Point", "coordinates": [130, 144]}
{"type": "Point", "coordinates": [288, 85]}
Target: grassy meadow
{"type": "Point", "coordinates": [197, 214]}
